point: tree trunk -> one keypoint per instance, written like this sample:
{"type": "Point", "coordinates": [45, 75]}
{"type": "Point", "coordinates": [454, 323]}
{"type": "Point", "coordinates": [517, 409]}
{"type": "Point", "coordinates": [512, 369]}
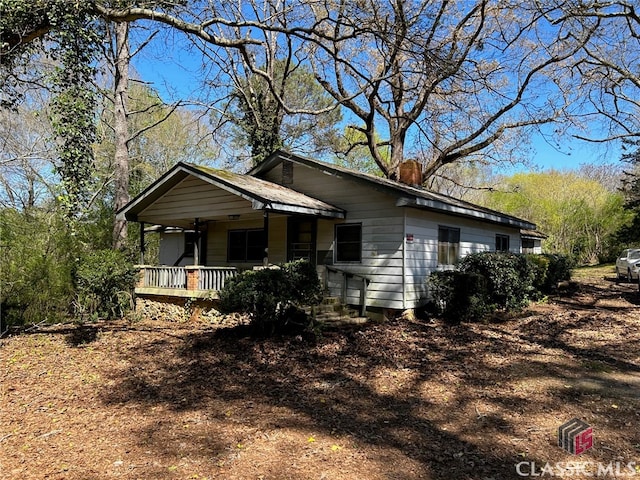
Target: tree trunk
{"type": "Point", "coordinates": [121, 177]}
{"type": "Point", "coordinates": [396, 155]}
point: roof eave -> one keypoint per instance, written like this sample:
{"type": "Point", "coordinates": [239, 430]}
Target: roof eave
{"type": "Point", "coordinates": [301, 210]}
{"type": "Point", "coordinates": [418, 202]}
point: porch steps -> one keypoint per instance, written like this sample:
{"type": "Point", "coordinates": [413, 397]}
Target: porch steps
{"type": "Point", "coordinates": [332, 313]}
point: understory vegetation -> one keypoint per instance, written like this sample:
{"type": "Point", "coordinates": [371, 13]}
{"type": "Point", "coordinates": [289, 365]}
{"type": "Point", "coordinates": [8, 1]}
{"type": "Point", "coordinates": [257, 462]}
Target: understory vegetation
{"type": "Point", "coordinates": [272, 297]}
{"type": "Point", "coordinates": [490, 281]}
{"type": "Point", "coordinates": [53, 269]}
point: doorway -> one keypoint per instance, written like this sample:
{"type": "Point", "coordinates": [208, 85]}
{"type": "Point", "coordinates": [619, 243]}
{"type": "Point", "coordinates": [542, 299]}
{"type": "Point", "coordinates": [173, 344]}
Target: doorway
{"type": "Point", "coordinates": [301, 238]}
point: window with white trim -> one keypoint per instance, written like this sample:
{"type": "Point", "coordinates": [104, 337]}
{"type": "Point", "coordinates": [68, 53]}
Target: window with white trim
{"type": "Point", "coordinates": [348, 242]}
{"type": "Point", "coordinates": [448, 245]}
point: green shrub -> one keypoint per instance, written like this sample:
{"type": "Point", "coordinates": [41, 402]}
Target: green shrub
{"type": "Point", "coordinates": [271, 296]}
{"type": "Point", "coordinates": [540, 266]}
{"type": "Point", "coordinates": [559, 270]}
{"type": "Point", "coordinates": [550, 269]}
{"type": "Point", "coordinates": [460, 296]}
{"type": "Point", "coordinates": [509, 277]}
{"type": "Point", "coordinates": [35, 267]}
{"type": "Point", "coordinates": [105, 280]}
{"type": "Point", "coordinates": [490, 281]}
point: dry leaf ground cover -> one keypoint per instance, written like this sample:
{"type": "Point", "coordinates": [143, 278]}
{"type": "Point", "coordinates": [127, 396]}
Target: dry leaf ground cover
{"type": "Point", "coordinates": [406, 399]}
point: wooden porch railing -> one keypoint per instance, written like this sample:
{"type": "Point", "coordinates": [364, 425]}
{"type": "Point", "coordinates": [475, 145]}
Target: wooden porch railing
{"type": "Point", "coordinates": [164, 277]}
{"type": "Point", "coordinates": [185, 278]}
{"type": "Point", "coordinates": [346, 275]}
{"type": "Point", "coordinates": [213, 278]}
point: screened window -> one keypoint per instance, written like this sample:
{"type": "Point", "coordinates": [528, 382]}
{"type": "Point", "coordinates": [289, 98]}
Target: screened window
{"type": "Point", "coordinates": [448, 245]}
{"type": "Point", "coordinates": [349, 242]}
{"type": "Point", "coordinates": [502, 243]}
{"type": "Point", "coordinates": [245, 246]}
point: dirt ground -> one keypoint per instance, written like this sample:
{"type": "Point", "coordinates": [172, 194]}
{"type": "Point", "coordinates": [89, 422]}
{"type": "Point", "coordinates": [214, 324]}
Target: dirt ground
{"type": "Point", "coordinates": [406, 399]}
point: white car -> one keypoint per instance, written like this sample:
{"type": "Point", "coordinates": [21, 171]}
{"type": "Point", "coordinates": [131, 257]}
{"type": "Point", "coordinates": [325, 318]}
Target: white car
{"type": "Point", "coordinates": [628, 264]}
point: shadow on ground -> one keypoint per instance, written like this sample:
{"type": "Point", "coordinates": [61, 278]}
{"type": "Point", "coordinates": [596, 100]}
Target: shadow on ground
{"type": "Point", "coordinates": [441, 402]}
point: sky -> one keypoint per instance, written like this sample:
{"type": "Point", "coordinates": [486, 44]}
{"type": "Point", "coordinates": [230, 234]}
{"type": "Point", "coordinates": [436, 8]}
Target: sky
{"type": "Point", "coordinates": [174, 73]}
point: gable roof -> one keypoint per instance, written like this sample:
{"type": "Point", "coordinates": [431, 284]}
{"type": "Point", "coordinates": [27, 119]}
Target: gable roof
{"type": "Point", "coordinates": [407, 195]}
{"type": "Point", "coordinates": [262, 194]}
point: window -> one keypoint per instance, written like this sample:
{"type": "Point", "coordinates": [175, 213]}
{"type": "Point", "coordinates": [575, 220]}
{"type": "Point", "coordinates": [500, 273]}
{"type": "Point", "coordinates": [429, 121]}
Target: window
{"type": "Point", "coordinates": [502, 243]}
{"type": "Point", "coordinates": [528, 245]}
{"type": "Point", "coordinates": [245, 245]}
{"type": "Point", "coordinates": [349, 242]}
{"type": "Point", "coordinates": [448, 245]}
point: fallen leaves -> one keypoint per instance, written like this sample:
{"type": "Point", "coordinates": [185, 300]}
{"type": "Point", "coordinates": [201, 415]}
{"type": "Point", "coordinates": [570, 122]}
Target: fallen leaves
{"type": "Point", "coordinates": [404, 399]}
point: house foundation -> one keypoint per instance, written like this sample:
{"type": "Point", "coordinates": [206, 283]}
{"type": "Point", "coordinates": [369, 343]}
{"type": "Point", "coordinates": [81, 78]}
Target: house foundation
{"type": "Point", "coordinates": [179, 309]}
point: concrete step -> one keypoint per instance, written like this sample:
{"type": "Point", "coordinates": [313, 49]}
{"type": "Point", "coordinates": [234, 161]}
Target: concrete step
{"type": "Point", "coordinates": [333, 313]}
{"type": "Point", "coordinates": [331, 301]}
{"type": "Point", "coordinates": [343, 322]}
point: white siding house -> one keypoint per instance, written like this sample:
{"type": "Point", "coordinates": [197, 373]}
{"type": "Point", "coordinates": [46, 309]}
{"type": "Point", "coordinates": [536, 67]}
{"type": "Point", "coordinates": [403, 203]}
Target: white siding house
{"type": "Point", "coordinates": [374, 241]}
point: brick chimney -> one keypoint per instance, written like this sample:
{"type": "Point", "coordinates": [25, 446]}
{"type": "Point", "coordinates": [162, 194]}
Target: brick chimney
{"type": "Point", "coordinates": [411, 172]}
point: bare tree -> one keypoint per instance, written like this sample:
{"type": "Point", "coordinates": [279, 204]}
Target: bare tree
{"type": "Point", "coordinates": [450, 79]}
{"type": "Point", "coordinates": [26, 152]}
{"type": "Point", "coordinates": [608, 66]}
{"type": "Point", "coordinates": [120, 127]}
{"type": "Point", "coordinates": [120, 56]}
{"type": "Point", "coordinates": [439, 81]}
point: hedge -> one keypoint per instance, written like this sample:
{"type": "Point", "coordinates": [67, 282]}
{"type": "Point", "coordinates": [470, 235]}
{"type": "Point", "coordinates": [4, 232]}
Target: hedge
{"type": "Point", "coordinates": [490, 281]}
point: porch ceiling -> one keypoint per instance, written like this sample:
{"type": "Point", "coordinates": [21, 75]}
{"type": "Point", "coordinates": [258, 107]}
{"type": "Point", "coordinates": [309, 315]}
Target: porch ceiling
{"type": "Point", "coordinates": [187, 192]}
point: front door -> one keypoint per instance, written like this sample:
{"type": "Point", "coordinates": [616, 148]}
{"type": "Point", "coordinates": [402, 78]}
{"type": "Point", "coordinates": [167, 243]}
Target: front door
{"type": "Point", "coordinates": [301, 238]}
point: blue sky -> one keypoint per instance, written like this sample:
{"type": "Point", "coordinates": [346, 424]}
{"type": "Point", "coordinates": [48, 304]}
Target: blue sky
{"type": "Point", "coordinates": [174, 73]}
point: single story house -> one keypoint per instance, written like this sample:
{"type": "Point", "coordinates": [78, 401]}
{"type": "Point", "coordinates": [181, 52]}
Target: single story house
{"type": "Point", "coordinates": [374, 241]}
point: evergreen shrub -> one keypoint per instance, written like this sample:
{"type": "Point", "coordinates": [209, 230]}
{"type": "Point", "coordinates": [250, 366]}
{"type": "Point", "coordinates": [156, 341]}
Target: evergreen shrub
{"type": "Point", "coordinates": [490, 281]}
{"type": "Point", "coordinates": [509, 277]}
{"type": "Point", "coordinates": [460, 296]}
{"type": "Point", "coordinates": [272, 296]}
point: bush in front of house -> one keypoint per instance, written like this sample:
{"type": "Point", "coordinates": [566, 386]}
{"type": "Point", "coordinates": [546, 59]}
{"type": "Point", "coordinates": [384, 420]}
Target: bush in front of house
{"type": "Point", "coordinates": [550, 270]}
{"type": "Point", "coordinates": [509, 277]}
{"type": "Point", "coordinates": [559, 271]}
{"type": "Point", "coordinates": [104, 284]}
{"type": "Point", "coordinates": [459, 296]}
{"type": "Point", "coordinates": [272, 296]}
{"type": "Point", "coordinates": [490, 281]}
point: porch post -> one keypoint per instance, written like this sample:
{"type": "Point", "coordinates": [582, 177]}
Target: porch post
{"type": "Point", "coordinates": [196, 244]}
{"type": "Point", "coordinates": [265, 259]}
{"type": "Point", "coordinates": [142, 247]}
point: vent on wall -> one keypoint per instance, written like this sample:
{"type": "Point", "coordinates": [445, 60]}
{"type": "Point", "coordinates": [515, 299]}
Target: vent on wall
{"type": "Point", "coordinates": [287, 172]}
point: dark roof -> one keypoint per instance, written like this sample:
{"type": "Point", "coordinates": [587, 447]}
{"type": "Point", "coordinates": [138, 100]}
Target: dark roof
{"type": "Point", "coordinates": [408, 195]}
{"type": "Point", "coordinates": [532, 234]}
{"type": "Point", "coordinates": [262, 194]}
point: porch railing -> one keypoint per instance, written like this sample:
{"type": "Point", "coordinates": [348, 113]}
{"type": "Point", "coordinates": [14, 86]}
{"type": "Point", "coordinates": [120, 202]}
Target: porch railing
{"type": "Point", "coordinates": [213, 278]}
{"type": "Point", "coordinates": [164, 277]}
{"type": "Point", "coordinates": [185, 278]}
{"type": "Point", "coordinates": [344, 277]}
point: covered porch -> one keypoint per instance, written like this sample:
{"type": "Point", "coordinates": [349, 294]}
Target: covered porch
{"type": "Point", "coordinates": [214, 224]}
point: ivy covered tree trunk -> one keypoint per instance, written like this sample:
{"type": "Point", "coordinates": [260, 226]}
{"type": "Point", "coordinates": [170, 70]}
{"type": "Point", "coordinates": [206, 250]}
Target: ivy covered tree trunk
{"type": "Point", "coordinates": [121, 164]}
